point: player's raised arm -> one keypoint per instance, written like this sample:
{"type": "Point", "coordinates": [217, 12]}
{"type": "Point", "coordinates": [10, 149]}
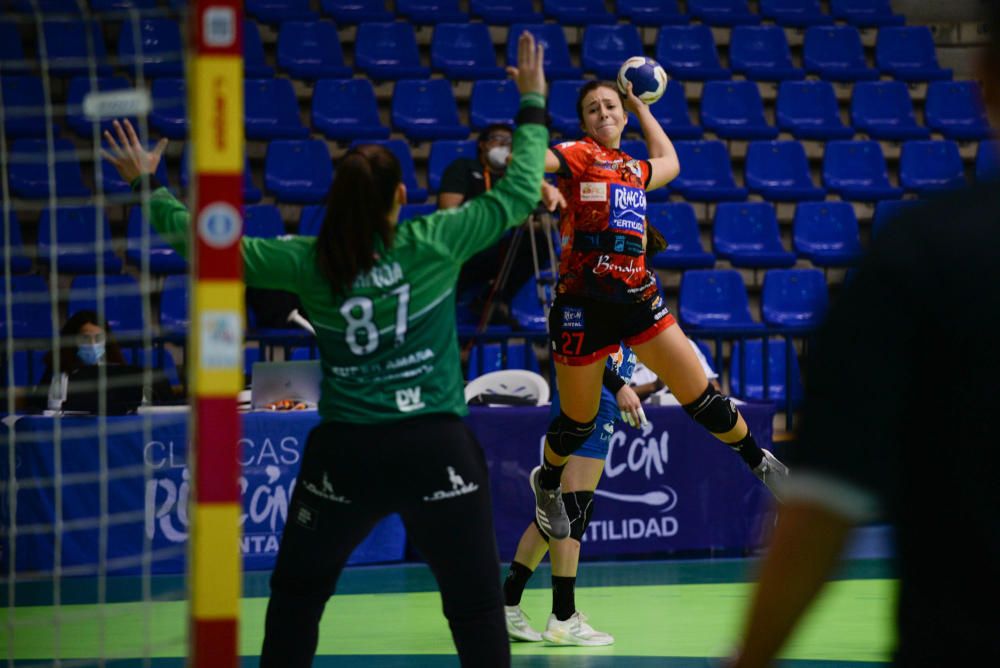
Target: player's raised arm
{"type": "Point", "coordinates": [662, 156]}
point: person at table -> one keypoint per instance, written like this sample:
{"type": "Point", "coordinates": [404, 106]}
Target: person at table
{"type": "Point", "coordinates": [391, 437]}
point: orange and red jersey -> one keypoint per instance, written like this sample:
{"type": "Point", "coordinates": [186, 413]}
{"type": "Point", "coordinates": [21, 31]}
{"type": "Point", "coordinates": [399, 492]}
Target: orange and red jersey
{"type": "Point", "coordinates": [604, 223]}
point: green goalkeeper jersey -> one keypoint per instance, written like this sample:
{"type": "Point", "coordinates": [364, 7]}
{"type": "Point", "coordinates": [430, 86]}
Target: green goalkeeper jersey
{"type": "Point", "coordinates": [388, 348]}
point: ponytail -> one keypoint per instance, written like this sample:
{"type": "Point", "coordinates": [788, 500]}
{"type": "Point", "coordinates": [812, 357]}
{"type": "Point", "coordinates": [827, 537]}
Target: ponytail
{"type": "Point", "coordinates": [357, 211]}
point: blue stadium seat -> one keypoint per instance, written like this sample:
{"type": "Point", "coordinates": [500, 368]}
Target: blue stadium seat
{"type": "Point", "coordinates": [493, 101]}
{"type": "Point", "coordinates": [714, 298]}
{"type": "Point", "coordinates": [425, 110]}
{"type": "Point", "coordinates": [746, 234]}
{"type": "Point", "coordinates": [578, 12]}
{"type": "Point", "coordinates": [28, 172]}
{"type": "Point", "coordinates": [734, 110]}
{"type": "Point", "coordinates": [431, 12]}
{"type": "Point", "coordinates": [23, 106]}
{"type": "Point", "coordinates": [671, 111]}
{"type": "Point", "coordinates": [174, 304]}
{"type": "Point", "coordinates": [161, 48]}
{"type": "Point", "coordinates": [46, 7]}
{"type": "Point", "coordinates": [262, 220]}
{"type": "Point", "coordinates": [707, 175]}
{"type": "Point", "coordinates": [931, 166]}
{"type": "Point", "coordinates": [525, 308]}
{"type": "Point", "coordinates": [688, 53]}
{"type": "Point", "coordinates": [69, 49]}
{"type": "Point", "coordinates": [988, 160]}
{"type": "Point", "coordinates": [907, 53]}
{"type": "Point", "coordinates": [159, 360]}
{"type": "Point", "coordinates": [505, 12]}
{"type": "Point", "coordinates": [270, 110]}
{"type": "Point", "coordinates": [10, 236]}
{"type": "Point", "coordinates": [856, 170]}
{"type": "Point", "coordinates": [866, 13]}
{"type": "Point", "coordinates": [484, 358]}
{"type": "Point", "coordinates": [890, 210]}
{"type": "Point", "coordinates": [826, 233]}
{"type": "Point", "coordinates": [11, 48]}
{"type": "Point", "coordinates": [351, 12]}
{"type": "Point", "coordinates": [31, 308]}
{"type": "Point", "coordinates": [677, 223]}
{"type": "Point", "coordinates": [254, 62]}
{"type": "Point", "coordinates": [311, 219]}
{"type": "Point", "coordinates": [557, 61]}
{"type": "Point", "coordinates": [562, 107]}
{"type": "Point", "coordinates": [794, 298]}
{"type": "Point", "coordinates": [408, 211]}
{"type": "Point", "coordinates": [163, 259]}
{"type": "Point", "coordinates": [388, 51]}
{"type": "Point", "coordinates": [75, 244]}
{"type": "Point", "coordinates": [722, 12]}
{"type": "Point", "coordinates": [80, 87]}
{"type": "Point", "coordinates": [761, 53]}
{"type": "Point", "coordinates": [345, 109]}
{"type": "Point", "coordinates": [311, 50]}
{"type": "Point", "coordinates": [464, 51]}
{"type": "Point", "coordinates": [169, 113]}
{"type": "Point", "coordinates": [521, 355]}
{"type": "Point", "coordinates": [414, 193]}
{"type": "Point", "coordinates": [794, 13]}
{"type": "Point", "coordinates": [606, 47]}
{"type": "Point", "coordinates": [809, 110]}
{"type": "Point", "coordinates": [276, 11]}
{"type": "Point", "coordinates": [443, 153]}
{"type": "Point", "coordinates": [298, 170]}
{"type": "Point", "coordinates": [778, 171]}
{"type": "Point", "coordinates": [835, 54]}
{"type": "Point", "coordinates": [777, 382]}
{"type": "Point", "coordinates": [122, 302]}
{"type": "Point", "coordinates": [955, 109]}
{"type": "Point", "coordinates": [115, 184]}
{"type": "Point", "coordinates": [651, 13]}
{"type": "Point", "coordinates": [883, 110]}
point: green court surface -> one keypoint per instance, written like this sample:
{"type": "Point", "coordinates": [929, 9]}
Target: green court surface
{"type": "Point", "coordinates": [670, 614]}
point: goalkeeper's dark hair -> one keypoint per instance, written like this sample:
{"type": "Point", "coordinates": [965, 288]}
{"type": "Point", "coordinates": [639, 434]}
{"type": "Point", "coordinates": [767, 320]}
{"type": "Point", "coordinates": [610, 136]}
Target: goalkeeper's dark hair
{"type": "Point", "coordinates": [357, 212]}
{"type": "Point", "coordinates": [592, 86]}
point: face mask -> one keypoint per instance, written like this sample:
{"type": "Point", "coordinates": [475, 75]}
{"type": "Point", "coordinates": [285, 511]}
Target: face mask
{"type": "Point", "coordinates": [497, 157]}
{"type": "Point", "coordinates": [91, 353]}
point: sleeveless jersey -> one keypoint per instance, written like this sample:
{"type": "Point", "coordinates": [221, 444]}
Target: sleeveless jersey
{"type": "Point", "coordinates": [603, 224]}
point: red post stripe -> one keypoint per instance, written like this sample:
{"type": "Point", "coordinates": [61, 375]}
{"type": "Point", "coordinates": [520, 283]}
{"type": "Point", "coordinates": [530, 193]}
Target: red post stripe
{"type": "Point", "coordinates": [220, 259]}
{"type": "Point", "coordinates": [214, 643]}
{"type": "Point", "coordinates": [218, 434]}
{"type": "Point", "coordinates": [218, 28]}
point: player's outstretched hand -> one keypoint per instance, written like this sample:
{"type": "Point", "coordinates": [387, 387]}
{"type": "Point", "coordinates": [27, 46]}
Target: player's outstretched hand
{"type": "Point", "coordinates": [630, 406]}
{"type": "Point", "coordinates": [127, 154]}
{"type": "Point", "coordinates": [530, 71]}
{"type": "Point", "coordinates": [632, 102]}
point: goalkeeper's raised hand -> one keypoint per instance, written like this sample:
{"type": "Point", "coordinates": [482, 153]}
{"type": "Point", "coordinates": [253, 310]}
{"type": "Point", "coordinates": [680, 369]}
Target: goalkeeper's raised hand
{"type": "Point", "coordinates": [127, 154]}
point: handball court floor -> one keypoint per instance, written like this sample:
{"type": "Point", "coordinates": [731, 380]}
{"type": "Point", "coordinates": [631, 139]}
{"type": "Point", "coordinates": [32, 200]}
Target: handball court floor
{"type": "Point", "coordinates": [662, 613]}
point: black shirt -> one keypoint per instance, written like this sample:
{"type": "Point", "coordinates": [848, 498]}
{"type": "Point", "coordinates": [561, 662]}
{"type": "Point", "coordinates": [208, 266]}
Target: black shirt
{"type": "Point", "coordinates": [901, 410]}
{"type": "Point", "coordinates": [465, 175]}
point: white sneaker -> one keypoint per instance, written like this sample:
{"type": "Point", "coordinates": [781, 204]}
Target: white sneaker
{"type": "Point", "coordinates": [575, 631]}
{"type": "Point", "coordinates": [518, 627]}
{"type": "Point", "coordinates": [770, 471]}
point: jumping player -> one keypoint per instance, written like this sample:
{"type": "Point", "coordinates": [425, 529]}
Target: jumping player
{"type": "Point", "coordinates": [605, 294]}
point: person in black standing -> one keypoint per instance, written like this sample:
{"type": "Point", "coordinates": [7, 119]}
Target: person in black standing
{"type": "Point", "coordinates": [899, 423]}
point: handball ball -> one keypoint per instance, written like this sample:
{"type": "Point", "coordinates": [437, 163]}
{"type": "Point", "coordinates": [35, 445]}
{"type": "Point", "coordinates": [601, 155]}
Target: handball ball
{"type": "Point", "coordinates": [649, 80]}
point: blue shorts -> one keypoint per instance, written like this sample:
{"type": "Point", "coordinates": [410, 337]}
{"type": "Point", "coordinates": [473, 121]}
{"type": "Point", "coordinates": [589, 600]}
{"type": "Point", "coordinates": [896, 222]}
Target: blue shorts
{"type": "Point", "coordinates": [596, 447]}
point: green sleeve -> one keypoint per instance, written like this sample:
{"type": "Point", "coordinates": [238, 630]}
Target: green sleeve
{"type": "Point", "coordinates": [267, 263]}
{"type": "Point", "coordinates": [479, 223]}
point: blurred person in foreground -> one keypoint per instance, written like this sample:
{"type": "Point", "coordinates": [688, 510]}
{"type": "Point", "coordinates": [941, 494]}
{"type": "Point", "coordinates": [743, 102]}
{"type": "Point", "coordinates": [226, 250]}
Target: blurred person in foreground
{"type": "Point", "coordinates": [898, 427]}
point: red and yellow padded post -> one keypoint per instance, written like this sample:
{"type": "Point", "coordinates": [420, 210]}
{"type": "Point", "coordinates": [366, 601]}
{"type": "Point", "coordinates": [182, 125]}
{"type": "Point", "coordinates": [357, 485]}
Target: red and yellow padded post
{"type": "Point", "coordinates": [215, 345]}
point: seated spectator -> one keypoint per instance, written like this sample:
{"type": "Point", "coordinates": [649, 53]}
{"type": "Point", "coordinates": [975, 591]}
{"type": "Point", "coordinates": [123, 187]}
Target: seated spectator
{"type": "Point", "coordinates": [466, 178]}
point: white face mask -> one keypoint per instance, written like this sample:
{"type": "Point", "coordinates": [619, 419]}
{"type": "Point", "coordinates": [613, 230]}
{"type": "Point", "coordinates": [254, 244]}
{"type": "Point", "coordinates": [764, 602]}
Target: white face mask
{"type": "Point", "coordinates": [497, 156]}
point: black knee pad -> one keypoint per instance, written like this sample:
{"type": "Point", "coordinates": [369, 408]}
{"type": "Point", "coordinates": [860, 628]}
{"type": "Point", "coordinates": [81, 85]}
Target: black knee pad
{"type": "Point", "coordinates": [579, 507]}
{"type": "Point", "coordinates": [713, 411]}
{"type": "Point", "coordinates": [565, 436]}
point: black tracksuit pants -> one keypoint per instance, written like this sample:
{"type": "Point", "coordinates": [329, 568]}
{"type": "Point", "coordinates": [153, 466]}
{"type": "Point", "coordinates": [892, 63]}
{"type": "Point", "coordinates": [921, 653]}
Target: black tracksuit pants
{"type": "Point", "coordinates": [431, 471]}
